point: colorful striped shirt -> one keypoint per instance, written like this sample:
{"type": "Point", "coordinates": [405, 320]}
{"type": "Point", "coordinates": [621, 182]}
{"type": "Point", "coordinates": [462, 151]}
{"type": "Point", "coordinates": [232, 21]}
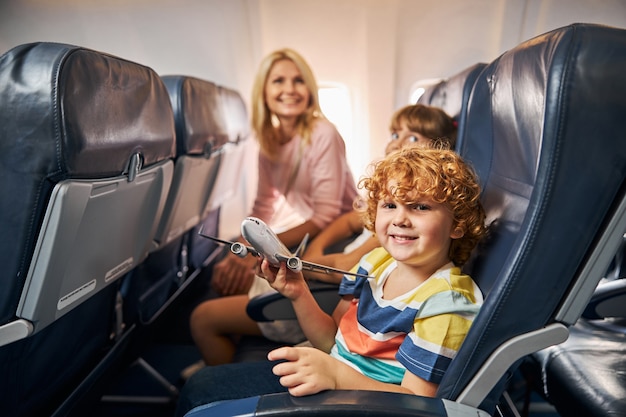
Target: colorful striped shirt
{"type": "Point", "coordinates": [420, 330]}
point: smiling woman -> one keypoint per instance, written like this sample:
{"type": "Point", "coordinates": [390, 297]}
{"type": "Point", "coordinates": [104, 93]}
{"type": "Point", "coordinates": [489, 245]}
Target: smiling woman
{"type": "Point", "coordinates": [302, 155]}
{"type": "Point", "coordinates": [304, 183]}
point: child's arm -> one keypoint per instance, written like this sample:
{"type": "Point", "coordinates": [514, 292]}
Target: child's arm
{"type": "Point", "coordinates": [343, 261]}
{"type": "Point", "coordinates": [293, 237]}
{"type": "Point", "coordinates": [341, 228]}
{"type": "Point", "coordinates": [318, 327]}
{"type": "Point", "coordinates": [308, 371]}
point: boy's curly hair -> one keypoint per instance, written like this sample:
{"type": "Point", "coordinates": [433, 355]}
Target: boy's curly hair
{"type": "Point", "coordinates": [439, 174]}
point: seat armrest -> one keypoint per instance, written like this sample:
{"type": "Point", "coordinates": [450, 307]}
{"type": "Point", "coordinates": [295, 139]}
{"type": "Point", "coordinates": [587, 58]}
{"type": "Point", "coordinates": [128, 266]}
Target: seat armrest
{"type": "Point", "coordinates": [338, 403]}
{"type": "Point", "coordinates": [608, 300]}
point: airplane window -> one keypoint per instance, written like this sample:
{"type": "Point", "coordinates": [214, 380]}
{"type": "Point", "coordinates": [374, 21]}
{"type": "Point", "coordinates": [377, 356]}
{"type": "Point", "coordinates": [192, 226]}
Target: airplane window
{"type": "Point", "coordinates": [335, 103]}
{"type": "Point", "coordinates": [419, 87]}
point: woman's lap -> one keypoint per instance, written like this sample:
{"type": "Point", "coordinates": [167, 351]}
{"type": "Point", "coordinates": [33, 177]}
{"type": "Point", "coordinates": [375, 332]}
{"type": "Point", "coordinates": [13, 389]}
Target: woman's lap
{"type": "Point", "coordinates": [228, 382]}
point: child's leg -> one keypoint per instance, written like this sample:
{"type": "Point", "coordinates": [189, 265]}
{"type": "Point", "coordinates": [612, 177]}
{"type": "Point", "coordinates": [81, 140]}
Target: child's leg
{"type": "Point", "coordinates": [228, 382]}
{"type": "Point", "coordinates": [214, 323]}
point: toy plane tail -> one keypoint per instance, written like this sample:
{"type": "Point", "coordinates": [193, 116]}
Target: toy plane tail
{"type": "Point", "coordinates": [302, 246]}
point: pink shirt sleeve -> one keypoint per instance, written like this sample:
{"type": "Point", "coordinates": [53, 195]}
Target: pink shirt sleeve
{"type": "Point", "coordinates": [332, 189]}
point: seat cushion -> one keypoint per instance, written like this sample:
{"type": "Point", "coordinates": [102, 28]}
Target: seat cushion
{"type": "Point", "coordinates": [586, 375]}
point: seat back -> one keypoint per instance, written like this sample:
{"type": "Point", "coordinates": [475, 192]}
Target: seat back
{"type": "Point", "coordinates": [545, 137]}
{"type": "Point", "coordinates": [228, 178]}
{"type": "Point", "coordinates": [85, 150]}
{"type": "Point", "coordinates": [238, 126]}
{"type": "Point", "coordinates": [200, 133]}
{"type": "Point", "coordinates": [452, 96]}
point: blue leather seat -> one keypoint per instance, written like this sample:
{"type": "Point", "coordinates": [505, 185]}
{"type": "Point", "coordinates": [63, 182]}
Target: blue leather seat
{"type": "Point", "coordinates": [543, 131]}
{"type": "Point", "coordinates": [586, 375]}
{"type": "Point", "coordinates": [231, 152]}
{"type": "Point", "coordinates": [85, 146]}
{"type": "Point", "coordinates": [534, 120]}
{"type": "Point", "coordinates": [452, 96]}
{"type": "Point", "coordinates": [201, 133]}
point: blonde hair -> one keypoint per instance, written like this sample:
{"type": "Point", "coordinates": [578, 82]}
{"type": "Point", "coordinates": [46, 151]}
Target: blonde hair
{"type": "Point", "coordinates": [262, 124]}
{"type": "Point", "coordinates": [439, 174]}
{"type": "Point", "coordinates": [429, 121]}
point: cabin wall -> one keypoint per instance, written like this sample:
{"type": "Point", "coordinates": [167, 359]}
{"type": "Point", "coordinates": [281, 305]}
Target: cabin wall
{"type": "Point", "coordinates": [377, 48]}
{"type": "Point", "coordinates": [211, 39]}
{"type": "Point", "coordinates": [442, 37]}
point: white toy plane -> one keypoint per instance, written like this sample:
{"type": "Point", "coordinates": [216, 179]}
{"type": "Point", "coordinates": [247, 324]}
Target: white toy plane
{"type": "Point", "coordinates": [266, 244]}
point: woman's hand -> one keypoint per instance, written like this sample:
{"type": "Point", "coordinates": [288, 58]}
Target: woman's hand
{"type": "Point", "coordinates": [306, 370]}
{"type": "Point", "coordinates": [233, 275]}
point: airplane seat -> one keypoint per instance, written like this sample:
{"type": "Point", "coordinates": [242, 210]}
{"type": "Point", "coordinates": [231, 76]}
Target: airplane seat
{"type": "Point", "coordinates": [207, 107]}
{"type": "Point", "coordinates": [537, 115]}
{"type": "Point", "coordinates": [229, 177]}
{"type": "Point", "coordinates": [586, 374]}
{"type": "Point", "coordinates": [85, 148]}
{"type": "Point", "coordinates": [238, 127]}
{"type": "Point", "coordinates": [452, 95]}
{"type": "Point", "coordinates": [200, 134]}
{"type": "Point", "coordinates": [540, 100]}
{"type": "Point", "coordinates": [161, 292]}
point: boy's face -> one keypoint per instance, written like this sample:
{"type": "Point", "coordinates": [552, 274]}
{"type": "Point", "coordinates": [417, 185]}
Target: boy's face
{"type": "Point", "coordinates": [403, 137]}
{"type": "Point", "coordinates": [418, 234]}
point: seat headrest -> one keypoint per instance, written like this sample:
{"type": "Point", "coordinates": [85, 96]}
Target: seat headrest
{"type": "Point", "coordinates": [78, 113]}
{"type": "Point", "coordinates": [236, 115]}
{"type": "Point", "coordinates": [198, 113]}
{"type": "Point", "coordinates": [452, 93]}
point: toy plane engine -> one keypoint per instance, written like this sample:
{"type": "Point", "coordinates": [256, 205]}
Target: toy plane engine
{"type": "Point", "coordinates": [239, 249]}
{"type": "Point", "coordinates": [261, 237]}
{"type": "Point", "coordinates": [295, 264]}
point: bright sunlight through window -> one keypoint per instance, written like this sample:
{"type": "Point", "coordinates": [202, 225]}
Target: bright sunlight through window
{"type": "Point", "coordinates": [335, 104]}
{"type": "Point", "coordinates": [337, 107]}
{"type": "Point", "coordinates": [420, 87]}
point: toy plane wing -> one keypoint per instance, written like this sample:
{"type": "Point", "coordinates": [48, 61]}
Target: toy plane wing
{"type": "Point", "coordinates": [296, 264]}
{"type": "Point", "coordinates": [266, 244]}
{"type": "Point", "coordinates": [237, 248]}
{"type": "Point", "coordinates": [302, 246]}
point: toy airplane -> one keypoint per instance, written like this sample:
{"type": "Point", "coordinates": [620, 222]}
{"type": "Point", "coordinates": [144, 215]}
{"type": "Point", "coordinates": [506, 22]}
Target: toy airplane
{"type": "Point", "coordinates": [266, 244]}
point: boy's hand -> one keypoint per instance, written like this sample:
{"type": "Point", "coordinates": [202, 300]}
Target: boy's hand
{"type": "Point", "coordinates": [287, 282]}
{"type": "Point", "coordinates": [307, 370]}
